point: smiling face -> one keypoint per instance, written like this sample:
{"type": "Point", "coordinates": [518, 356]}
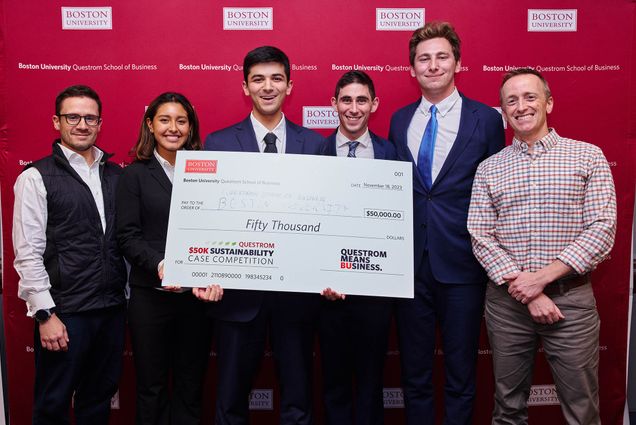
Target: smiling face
{"type": "Point", "coordinates": [526, 106]}
{"type": "Point", "coordinates": [267, 86]}
{"type": "Point", "coordinates": [170, 128]}
{"type": "Point", "coordinates": [81, 137]}
{"type": "Point", "coordinates": [354, 106]}
{"type": "Point", "coordinates": [434, 67]}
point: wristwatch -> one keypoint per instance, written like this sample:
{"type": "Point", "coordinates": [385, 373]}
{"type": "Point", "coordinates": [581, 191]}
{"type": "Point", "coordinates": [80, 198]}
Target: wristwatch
{"type": "Point", "coordinates": [44, 314]}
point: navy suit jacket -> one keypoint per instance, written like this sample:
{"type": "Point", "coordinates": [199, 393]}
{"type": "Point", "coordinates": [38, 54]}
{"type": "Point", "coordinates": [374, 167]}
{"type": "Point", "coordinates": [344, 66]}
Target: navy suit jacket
{"type": "Point", "coordinates": [440, 215]}
{"type": "Point", "coordinates": [382, 149]}
{"type": "Point", "coordinates": [241, 138]}
{"type": "Point", "coordinates": [243, 305]}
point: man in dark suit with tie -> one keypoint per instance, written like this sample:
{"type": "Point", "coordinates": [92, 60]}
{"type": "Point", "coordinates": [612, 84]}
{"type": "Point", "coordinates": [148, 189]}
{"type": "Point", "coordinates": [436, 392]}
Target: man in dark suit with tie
{"type": "Point", "coordinates": [354, 330]}
{"type": "Point", "coordinates": [445, 135]}
{"type": "Point", "coordinates": [244, 318]}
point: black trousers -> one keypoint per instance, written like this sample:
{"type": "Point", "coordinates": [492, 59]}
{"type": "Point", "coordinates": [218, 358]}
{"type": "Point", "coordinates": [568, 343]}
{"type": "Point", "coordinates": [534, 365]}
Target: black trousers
{"type": "Point", "coordinates": [240, 352]}
{"type": "Point", "coordinates": [171, 339]}
{"type": "Point", "coordinates": [353, 341]}
{"type": "Point", "coordinates": [90, 368]}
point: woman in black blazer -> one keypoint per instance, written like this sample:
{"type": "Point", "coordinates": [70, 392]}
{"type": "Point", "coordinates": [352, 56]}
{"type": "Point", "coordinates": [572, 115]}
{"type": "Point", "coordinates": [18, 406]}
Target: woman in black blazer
{"type": "Point", "coordinates": [170, 333]}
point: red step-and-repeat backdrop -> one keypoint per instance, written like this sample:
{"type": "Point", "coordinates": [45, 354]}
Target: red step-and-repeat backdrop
{"type": "Point", "coordinates": [130, 51]}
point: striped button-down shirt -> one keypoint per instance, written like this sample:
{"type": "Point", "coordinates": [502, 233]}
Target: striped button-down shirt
{"type": "Point", "coordinates": [529, 209]}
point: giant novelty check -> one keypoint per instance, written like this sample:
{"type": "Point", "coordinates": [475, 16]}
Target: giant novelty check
{"type": "Point", "coordinates": [297, 223]}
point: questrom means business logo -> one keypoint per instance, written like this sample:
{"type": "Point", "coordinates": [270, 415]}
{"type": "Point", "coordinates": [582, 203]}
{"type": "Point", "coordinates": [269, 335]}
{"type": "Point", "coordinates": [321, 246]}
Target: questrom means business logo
{"type": "Point", "coordinates": [543, 395]}
{"type": "Point", "coordinates": [552, 20]}
{"type": "Point", "coordinates": [320, 117]}
{"type": "Point", "coordinates": [362, 259]}
{"type": "Point", "coordinates": [398, 19]}
{"type": "Point", "coordinates": [248, 18]}
{"type": "Point", "coordinates": [393, 398]}
{"type": "Point", "coordinates": [87, 18]}
{"type": "Point", "coordinates": [262, 399]}
{"type": "Point", "coordinates": [201, 166]}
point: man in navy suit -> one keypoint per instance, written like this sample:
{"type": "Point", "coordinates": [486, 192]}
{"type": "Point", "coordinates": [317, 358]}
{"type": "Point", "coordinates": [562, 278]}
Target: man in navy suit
{"type": "Point", "coordinates": [354, 331]}
{"type": "Point", "coordinates": [445, 135]}
{"type": "Point", "coordinates": [244, 318]}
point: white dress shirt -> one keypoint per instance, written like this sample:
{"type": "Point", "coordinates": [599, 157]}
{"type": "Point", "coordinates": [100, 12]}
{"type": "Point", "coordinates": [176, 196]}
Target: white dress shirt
{"type": "Point", "coordinates": [168, 168]}
{"type": "Point", "coordinates": [449, 113]}
{"type": "Point", "coordinates": [260, 131]}
{"type": "Point", "coordinates": [29, 227]}
{"type": "Point", "coordinates": [363, 150]}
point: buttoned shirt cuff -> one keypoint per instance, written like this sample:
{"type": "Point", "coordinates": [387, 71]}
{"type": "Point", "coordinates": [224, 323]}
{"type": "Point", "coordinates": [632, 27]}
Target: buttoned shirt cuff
{"type": "Point", "coordinates": [497, 275]}
{"type": "Point", "coordinates": [39, 301]}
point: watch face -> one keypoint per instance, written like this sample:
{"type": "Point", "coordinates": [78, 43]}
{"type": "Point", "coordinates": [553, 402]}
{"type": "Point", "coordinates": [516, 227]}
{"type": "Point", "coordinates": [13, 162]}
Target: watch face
{"type": "Point", "coordinates": [42, 315]}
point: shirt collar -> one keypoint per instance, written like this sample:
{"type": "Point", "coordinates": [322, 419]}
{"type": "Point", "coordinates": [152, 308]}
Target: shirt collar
{"type": "Point", "coordinates": [75, 158]}
{"type": "Point", "coordinates": [260, 130]}
{"type": "Point", "coordinates": [342, 140]}
{"type": "Point", "coordinates": [162, 161]}
{"type": "Point", "coordinates": [547, 142]}
{"type": "Point", "coordinates": [443, 107]}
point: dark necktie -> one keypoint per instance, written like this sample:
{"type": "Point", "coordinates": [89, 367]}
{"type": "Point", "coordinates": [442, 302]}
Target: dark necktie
{"type": "Point", "coordinates": [270, 143]}
{"type": "Point", "coordinates": [352, 149]}
{"type": "Point", "coordinates": [427, 149]}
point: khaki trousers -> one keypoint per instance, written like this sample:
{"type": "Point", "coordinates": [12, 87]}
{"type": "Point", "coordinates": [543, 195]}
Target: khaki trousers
{"type": "Point", "coordinates": [571, 349]}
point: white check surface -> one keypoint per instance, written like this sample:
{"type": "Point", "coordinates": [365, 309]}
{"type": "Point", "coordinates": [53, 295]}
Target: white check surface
{"type": "Point", "coordinates": [298, 223]}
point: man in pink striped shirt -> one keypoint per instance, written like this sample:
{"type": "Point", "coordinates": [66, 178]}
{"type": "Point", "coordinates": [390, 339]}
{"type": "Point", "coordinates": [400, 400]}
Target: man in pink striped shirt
{"type": "Point", "coordinates": [542, 217]}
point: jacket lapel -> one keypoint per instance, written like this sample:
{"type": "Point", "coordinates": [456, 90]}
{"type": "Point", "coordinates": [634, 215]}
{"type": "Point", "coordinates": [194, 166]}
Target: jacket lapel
{"type": "Point", "coordinates": [330, 147]}
{"type": "Point", "coordinates": [246, 136]}
{"type": "Point", "coordinates": [293, 139]}
{"type": "Point", "coordinates": [467, 124]}
{"type": "Point", "coordinates": [379, 151]}
{"type": "Point", "coordinates": [157, 173]}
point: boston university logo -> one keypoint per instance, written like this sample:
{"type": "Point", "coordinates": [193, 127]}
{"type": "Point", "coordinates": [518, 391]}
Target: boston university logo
{"type": "Point", "coordinates": [398, 19]}
{"type": "Point", "coordinates": [248, 18]}
{"type": "Point", "coordinates": [552, 20]}
{"type": "Point", "coordinates": [201, 166]}
{"type": "Point", "coordinates": [393, 398]}
{"type": "Point", "coordinates": [87, 18]}
{"type": "Point", "coordinates": [320, 117]}
{"type": "Point", "coordinates": [543, 395]}
{"type": "Point", "coordinates": [261, 399]}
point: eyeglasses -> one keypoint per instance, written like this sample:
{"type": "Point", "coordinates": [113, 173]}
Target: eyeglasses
{"type": "Point", "coordinates": [74, 119]}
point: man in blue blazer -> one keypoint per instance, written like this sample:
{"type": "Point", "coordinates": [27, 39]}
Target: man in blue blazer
{"type": "Point", "coordinates": [445, 135]}
{"type": "Point", "coordinates": [354, 331]}
{"type": "Point", "coordinates": [244, 318]}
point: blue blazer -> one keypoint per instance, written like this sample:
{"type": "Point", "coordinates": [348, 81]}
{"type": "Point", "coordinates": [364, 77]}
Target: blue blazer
{"type": "Point", "coordinates": [241, 138]}
{"type": "Point", "coordinates": [440, 215]}
{"type": "Point", "coordinates": [382, 149]}
{"type": "Point", "coordinates": [243, 305]}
